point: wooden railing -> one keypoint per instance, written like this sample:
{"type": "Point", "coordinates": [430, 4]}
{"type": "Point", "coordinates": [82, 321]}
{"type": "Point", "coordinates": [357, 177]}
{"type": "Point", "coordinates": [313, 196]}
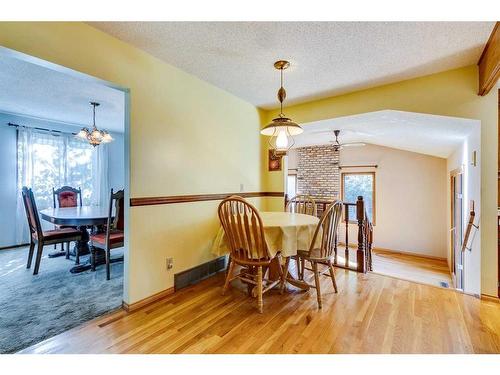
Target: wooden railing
{"type": "Point", "coordinates": [364, 235]}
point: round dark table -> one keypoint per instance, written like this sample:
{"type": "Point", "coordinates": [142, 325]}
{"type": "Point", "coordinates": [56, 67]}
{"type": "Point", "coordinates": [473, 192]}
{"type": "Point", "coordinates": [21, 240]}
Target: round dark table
{"type": "Point", "coordinates": [80, 217]}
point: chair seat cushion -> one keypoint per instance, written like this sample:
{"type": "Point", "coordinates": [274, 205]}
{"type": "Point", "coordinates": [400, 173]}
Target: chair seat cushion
{"type": "Point", "coordinates": [115, 237]}
{"type": "Point", "coordinates": [62, 234]}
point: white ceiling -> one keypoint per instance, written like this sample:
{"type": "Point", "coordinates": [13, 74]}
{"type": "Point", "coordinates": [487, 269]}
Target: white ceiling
{"type": "Point", "coordinates": [328, 58]}
{"type": "Point", "coordinates": [416, 132]}
{"type": "Point", "coordinates": [35, 91]}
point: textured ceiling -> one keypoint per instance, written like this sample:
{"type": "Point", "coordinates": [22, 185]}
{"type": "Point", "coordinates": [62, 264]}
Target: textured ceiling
{"type": "Point", "coordinates": [328, 58]}
{"type": "Point", "coordinates": [417, 132]}
{"type": "Point", "coordinates": [32, 90]}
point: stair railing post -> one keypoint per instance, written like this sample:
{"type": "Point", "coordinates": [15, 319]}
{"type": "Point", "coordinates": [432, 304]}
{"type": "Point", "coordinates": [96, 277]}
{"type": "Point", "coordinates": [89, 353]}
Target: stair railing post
{"type": "Point", "coordinates": [360, 216]}
{"type": "Point", "coordinates": [346, 252]}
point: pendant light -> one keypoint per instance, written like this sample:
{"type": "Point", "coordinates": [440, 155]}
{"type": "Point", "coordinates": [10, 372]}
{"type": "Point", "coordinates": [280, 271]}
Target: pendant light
{"type": "Point", "coordinates": [281, 129]}
{"type": "Point", "coordinates": [95, 136]}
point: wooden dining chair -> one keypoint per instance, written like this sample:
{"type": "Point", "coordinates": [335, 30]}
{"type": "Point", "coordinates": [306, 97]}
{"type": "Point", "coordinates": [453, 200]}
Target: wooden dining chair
{"type": "Point", "coordinates": [114, 236]}
{"type": "Point", "coordinates": [248, 248]}
{"type": "Point", "coordinates": [38, 235]}
{"type": "Point", "coordinates": [302, 204]}
{"type": "Point", "coordinates": [67, 196]}
{"type": "Point", "coordinates": [321, 249]}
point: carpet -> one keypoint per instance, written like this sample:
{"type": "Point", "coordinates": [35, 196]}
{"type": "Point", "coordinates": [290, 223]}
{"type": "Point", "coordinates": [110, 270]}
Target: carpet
{"type": "Point", "coordinates": [34, 308]}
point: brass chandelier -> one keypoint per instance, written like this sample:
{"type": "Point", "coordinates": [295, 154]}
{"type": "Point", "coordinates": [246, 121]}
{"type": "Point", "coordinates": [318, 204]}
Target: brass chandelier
{"type": "Point", "coordinates": [281, 129]}
{"type": "Point", "coordinates": [95, 136]}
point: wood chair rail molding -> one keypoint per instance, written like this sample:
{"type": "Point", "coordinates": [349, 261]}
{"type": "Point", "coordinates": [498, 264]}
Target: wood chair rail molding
{"type": "Point", "coordinates": [489, 62]}
{"type": "Point", "coordinates": [151, 201]}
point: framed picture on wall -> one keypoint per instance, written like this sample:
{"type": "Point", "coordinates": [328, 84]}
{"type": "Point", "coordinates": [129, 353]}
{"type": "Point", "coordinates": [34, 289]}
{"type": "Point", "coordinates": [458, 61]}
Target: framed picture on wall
{"type": "Point", "coordinates": [274, 162]}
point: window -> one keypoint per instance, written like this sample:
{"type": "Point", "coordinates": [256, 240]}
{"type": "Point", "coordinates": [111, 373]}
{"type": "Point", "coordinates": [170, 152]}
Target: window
{"type": "Point", "coordinates": [46, 160]}
{"type": "Point", "coordinates": [291, 185]}
{"type": "Point", "coordinates": [356, 184]}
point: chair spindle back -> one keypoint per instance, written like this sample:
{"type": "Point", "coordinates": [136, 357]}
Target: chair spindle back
{"type": "Point", "coordinates": [244, 230]}
{"type": "Point", "coordinates": [327, 231]}
{"type": "Point", "coordinates": [302, 204]}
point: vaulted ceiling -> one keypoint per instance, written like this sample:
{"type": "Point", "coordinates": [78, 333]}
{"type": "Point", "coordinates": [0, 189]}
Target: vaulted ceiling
{"type": "Point", "coordinates": [416, 132]}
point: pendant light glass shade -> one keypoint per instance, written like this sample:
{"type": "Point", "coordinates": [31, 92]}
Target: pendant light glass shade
{"type": "Point", "coordinates": [107, 137]}
{"type": "Point", "coordinates": [282, 129]}
{"type": "Point", "coordinates": [95, 136]}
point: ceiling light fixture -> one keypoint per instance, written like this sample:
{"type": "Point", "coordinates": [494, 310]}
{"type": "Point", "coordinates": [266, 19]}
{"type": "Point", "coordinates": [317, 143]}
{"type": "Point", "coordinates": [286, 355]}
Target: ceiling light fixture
{"type": "Point", "coordinates": [337, 146]}
{"type": "Point", "coordinates": [95, 136]}
{"type": "Point", "coordinates": [281, 129]}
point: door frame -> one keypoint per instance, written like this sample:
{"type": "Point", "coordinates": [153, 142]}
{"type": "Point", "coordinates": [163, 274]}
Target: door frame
{"type": "Point", "coordinates": [453, 175]}
{"type": "Point", "coordinates": [13, 54]}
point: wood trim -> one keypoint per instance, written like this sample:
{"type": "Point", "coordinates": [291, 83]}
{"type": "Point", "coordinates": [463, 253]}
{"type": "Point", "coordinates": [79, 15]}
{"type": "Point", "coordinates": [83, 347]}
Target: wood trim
{"type": "Point", "coordinates": [487, 297]}
{"type": "Point", "coordinates": [417, 255]}
{"type": "Point", "coordinates": [147, 301]}
{"type": "Point", "coordinates": [489, 62]}
{"type": "Point", "coordinates": [171, 199]}
{"type": "Point", "coordinates": [358, 166]}
{"type": "Point", "coordinates": [392, 251]}
{"type": "Point", "coordinates": [457, 171]}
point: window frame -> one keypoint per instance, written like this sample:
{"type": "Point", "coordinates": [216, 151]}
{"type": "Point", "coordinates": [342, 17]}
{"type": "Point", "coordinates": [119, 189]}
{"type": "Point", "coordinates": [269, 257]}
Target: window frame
{"type": "Point", "coordinates": [292, 173]}
{"type": "Point", "coordinates": [374, 192]}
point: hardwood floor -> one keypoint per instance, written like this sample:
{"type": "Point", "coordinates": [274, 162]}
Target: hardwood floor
{"type": "Point", "coordinates": [411, 267]}
{"type": "Point", "coordinates": [370, 314]}
{"type": "Point", "coordinates": [404, 266]}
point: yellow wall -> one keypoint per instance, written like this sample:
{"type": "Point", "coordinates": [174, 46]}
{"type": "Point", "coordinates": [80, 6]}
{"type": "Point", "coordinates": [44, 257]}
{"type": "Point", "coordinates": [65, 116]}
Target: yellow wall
{"type": "Point", "coordinates": [190, 137]}
{"type": "Point", "coordinates": [452, 93]}
{"type": "Point", "coordinates": [186, 136]}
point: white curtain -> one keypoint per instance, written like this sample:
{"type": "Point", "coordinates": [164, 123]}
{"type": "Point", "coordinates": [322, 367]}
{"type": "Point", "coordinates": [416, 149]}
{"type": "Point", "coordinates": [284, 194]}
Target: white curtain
{"type": "Point", "coordinates": [50, 160]}
{"type": "Point", "coordinates": [100, 177]}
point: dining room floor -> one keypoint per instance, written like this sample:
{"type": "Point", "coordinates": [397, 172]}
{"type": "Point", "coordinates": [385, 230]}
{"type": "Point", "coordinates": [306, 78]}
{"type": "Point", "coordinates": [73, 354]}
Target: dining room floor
{"type": "Point", "coordinates": [372, 313]}
{"type": "Point", "coordinates": [34, 308]}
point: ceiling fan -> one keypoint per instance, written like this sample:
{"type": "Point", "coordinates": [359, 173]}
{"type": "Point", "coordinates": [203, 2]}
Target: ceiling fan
{"type": "Point", "coordinates": [339, 146]}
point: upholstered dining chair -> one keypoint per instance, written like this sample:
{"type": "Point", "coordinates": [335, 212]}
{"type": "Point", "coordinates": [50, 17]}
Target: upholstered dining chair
{"type": "Point", "coordinates": [67, 196]}
{"type": "Point", "coordinates": [245, 235]}
{"type": "Point", "coordinates": [114, 236]}
{"type": "Point", "coordinates": [38, 235]}
{"type": "Point", "coordinates": [321, 249]}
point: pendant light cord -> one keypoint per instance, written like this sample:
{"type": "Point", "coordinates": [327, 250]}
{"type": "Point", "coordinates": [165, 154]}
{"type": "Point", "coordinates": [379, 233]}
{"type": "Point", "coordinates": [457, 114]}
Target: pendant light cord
{"type": "Point", "coordinates": [93, 105]}
{"type": "Point", "coordinates": [281, 100]}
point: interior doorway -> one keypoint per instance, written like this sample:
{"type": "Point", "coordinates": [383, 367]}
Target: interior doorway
{"type": "Point", "coordinates": [456, 230]}
{"type": "Point", "coordinates": [43, 109]}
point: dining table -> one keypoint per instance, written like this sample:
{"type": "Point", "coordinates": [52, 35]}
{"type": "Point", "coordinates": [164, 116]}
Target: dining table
{"type": "Point", "coordinates": [285, 233]}
{"type": "Point", "coordinates": [83, 218]}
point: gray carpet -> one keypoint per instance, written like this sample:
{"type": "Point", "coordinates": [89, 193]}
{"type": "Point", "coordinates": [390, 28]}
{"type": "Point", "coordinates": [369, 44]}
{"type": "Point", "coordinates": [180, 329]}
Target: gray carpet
{"type": "Point", "coordinates": [34, 308]}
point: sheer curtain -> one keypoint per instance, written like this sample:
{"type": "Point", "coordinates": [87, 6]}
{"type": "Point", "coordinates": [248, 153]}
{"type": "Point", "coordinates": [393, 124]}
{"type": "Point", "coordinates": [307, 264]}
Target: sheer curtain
{"type": "Point", "coordinates": [50, 160]}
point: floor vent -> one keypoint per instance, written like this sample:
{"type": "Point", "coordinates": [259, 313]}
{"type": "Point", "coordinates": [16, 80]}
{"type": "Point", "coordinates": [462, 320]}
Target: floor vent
{"type": "Point", "coordinates": [444, 284]}
{"type": "Point", "coordinates": [198, 273]}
